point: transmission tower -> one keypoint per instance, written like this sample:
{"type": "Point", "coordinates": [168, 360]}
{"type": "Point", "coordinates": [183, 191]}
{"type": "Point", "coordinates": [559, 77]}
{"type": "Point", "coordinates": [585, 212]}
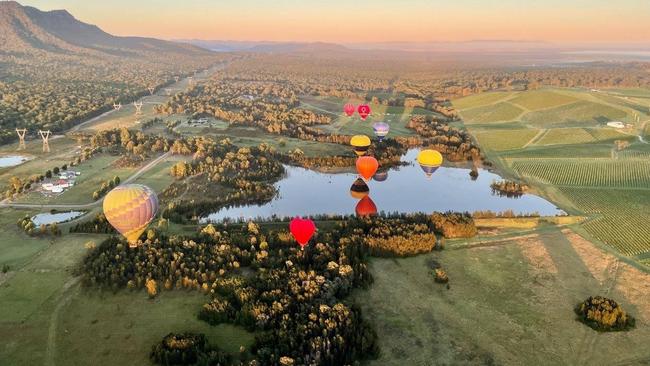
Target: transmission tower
{"type": "Point", "coordinates": [45, 135]}
{"type": "Point", "coordinates": [151, 90]}
{"type": "Point", "coordinates": [21, 136]}
{"type": "Point", "coordinates": [138, 107]}
{"type": "Point", "coordinates": [117, 106]}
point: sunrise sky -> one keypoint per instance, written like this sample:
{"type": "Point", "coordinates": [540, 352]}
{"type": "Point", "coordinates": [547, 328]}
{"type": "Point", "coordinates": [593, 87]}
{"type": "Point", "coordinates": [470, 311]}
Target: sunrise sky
{"type": "Point", "coordinates": [557, 21]}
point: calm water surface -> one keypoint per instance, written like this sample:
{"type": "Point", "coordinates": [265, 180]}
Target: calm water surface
{"type": "Point", "coordinates": [12, 160]}
{"type": "Point", "coordinates": [305, 192]}
{"type": "Point", "coordinates": [51, 218]}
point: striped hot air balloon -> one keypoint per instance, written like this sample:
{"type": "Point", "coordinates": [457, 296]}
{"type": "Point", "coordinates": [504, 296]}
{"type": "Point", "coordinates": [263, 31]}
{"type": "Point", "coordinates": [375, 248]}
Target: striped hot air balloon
{"type": "Point", "coordinates": [361, 143]}
{"type": "Point", "coordinates": [430, 161]}
{"type": "Point", "coordinates": [380, 176]}
{"type": "Point", "coordinates": [130, 208]}
{"type": "Point", "coordinates": [359, 189]}
{"type": "Point", "coordinates": [381, 130]}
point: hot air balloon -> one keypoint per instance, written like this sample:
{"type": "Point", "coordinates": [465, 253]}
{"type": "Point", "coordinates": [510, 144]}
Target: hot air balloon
{"type": "Point", "coordinates": [430, 161]}
{"type": "Point", "coordinates": [359, 189]}
{"type": "Point", "coordinates": [130, 208]}
{"type": "Point", "coordinates": [366, 207]}
{"type": "Point", "coordinates": [349, 109]}
{"type": "Point", "coordinates": [380, 176]}
{"type": "Point", "coordinates": [364, 111]}
{"type": "Point", "coordinates": [302, 230]}
{"type": "Point", "coordinates": [381, 130]}
{"type": "Point", "coordinates": [361, 143]}
{"type": "Point", "coordinates": [367, 167]}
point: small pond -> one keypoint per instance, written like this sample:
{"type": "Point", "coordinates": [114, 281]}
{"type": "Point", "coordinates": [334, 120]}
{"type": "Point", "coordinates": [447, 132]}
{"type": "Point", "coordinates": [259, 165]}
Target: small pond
{"type": "Point", "coordinates": [12, 160]}
{"type": "Point", "coordinates": [57, 217]}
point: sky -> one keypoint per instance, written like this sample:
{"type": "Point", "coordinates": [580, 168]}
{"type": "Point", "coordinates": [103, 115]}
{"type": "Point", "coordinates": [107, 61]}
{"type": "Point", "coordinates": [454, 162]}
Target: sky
{"type": "Point", "coordinates": [351, 21]}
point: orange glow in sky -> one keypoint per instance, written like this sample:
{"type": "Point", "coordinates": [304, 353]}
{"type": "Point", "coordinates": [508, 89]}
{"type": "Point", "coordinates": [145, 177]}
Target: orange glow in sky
{"type": "Point", "coordinates": [368, 21]}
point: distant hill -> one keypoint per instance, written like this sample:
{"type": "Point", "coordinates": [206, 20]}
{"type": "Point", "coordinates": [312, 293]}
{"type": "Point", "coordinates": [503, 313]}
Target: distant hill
{"type": "Point", "coordinates": [27, 30]}
{"type": "Point", "coordinates": [268, 47]}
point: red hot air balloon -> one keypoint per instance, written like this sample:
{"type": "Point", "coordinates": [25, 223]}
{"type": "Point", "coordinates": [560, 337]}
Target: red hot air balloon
{"type": "Point", "coordinates": [302, 230]}
{"type": "Point", "coordinates": [364, 111]}
{"type": "Point", "coordinates": [367, 167]}
{"type": "Point", "coordinates": [349, 109]}
{"type": "Point", "coordinates": [366, 207]}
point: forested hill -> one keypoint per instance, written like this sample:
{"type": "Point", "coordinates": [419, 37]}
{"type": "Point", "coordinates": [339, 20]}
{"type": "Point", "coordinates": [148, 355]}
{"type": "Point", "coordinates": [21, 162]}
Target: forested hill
{"type": "Point", "coordinates": [56, 71]}
{"type": "Point", "coordinates": [27, 30]}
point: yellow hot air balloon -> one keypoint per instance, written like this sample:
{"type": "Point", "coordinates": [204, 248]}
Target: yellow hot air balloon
{"type": "Point", "coordinates": [361, 143]}
{"type": "Point", "coordinates": [130, 208]}
{"type": "Point", "coordinates": [430, 161]}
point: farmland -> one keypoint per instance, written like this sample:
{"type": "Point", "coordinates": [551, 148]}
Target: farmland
{"type": "Point", "coordinates": [573, 159]}
{"type": "Point", "coordinates": [501, 294]}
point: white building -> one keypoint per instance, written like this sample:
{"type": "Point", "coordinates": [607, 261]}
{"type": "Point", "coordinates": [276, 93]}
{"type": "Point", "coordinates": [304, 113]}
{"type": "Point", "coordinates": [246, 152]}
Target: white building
{"type": "Point", "coordinates": [616, 124]}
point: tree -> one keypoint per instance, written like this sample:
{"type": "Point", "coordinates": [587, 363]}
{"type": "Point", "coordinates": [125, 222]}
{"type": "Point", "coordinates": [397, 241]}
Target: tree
{"type": "Point", "coordinates": [56, 170]}
{"type": "Point", "coordinates": [48, 174]}
{"type": "Point", "coordinates": [152, 288]}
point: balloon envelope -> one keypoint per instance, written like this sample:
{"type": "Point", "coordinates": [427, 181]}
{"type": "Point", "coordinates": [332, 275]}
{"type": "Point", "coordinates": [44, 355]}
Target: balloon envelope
{"type": "Point", "coordinates": [364, 111]}
{"type": "Point", "coordinates": [361, 143]}
{"type": "Point", "coordinates": [302, 230]}
{"type": "Point", "coordinates": [367, 167]}
{"type": "Point", "coordinates": [130, 208]}
{"type": "Point", "coordinates": [359, 189]}
{"type": "Point", "coordinates": [381, 130]}
{"type": "Point", "coordinates": [366, 207]}
{"type": "Point", "coordinates": [430, 161]}
{"type": "Point", "coordinates": [349, 109]}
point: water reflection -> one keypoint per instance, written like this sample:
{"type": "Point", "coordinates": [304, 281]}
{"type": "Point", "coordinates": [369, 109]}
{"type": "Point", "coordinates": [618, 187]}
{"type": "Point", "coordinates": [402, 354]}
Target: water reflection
{"type": "Point", "coordinates": [305, 192]}
{"type": "Point", "coordinates": [366, 207]}
{"type": "Point", "coordinates": [55, 218]}
{"type": "Point", "coordinates": [359, 189]}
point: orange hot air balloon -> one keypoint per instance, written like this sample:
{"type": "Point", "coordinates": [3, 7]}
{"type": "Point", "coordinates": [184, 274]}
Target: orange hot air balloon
{"type": "Point", "coordinates": [367, 167]}
{"type": "Point", "coordinates": [366, 207]}
{"type": "Point", "coordinates": [130, 208]}
{"type": "Point", "coordinates": [359, 189]}
{"type": "Point", "coordinates": [302, 230]}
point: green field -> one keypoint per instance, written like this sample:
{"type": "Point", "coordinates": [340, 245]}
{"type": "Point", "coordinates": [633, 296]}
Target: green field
{"type": "Point", "coordinates": [396, 117]}
{"type": "Point", "coordinates": [578, 172]}
{"type": "Point", "coordinates": [574, 155]}
{"type": "Point", "coordinates": [500, 112]}
{"type": "Point", "coordinates": [501, 140]}
{"type": "Point", "coordinates": [94, 172]}
{"type": "Point", "coordinates": [481, 99]}
{"type": "Point", "coordinates": [581, 113]}
{"type": "Point", "coordinates": [541, 99]}
{"type": "Point", "coordinates": [503, 303]}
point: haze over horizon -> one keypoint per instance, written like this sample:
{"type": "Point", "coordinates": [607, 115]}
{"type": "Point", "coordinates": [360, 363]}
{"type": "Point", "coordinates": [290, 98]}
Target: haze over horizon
{"type": "Point", "coordinates": [555, 21]}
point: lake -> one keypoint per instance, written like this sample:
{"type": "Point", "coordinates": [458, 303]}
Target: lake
{"type": "Point", "coordinates": [406, 189]}
{"type": "Point", "coordinates": [51, 218]}
{"type": "Point", "coordinates": [12, 160]}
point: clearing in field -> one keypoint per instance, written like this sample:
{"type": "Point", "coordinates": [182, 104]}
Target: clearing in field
{"type": "Point", "coordinates": [501, 112]}
{"type": "Point", "coordinates": [499, 298]}
{"type": "Point", "coordinates": [541, 99]}
{"type": "Point", "coordinates": [559, 136]}
{"type": "Point", "coordinates": [479, 100]}
{"type": "Point", "coordinates": [500, 140]}
{"type": "Point", "coordinates": [580, 113]}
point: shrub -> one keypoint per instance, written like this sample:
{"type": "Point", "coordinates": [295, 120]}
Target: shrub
{"type": "Point", "coordinates": [603, 314]}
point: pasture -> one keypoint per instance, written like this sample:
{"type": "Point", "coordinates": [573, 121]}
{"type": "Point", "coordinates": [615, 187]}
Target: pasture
{"type": "Point", "coordinates": [504, 301]}
{"type": "Point", "coordinates": [500, 112]}
{"type": "Point", "coordinates": [501, 140]}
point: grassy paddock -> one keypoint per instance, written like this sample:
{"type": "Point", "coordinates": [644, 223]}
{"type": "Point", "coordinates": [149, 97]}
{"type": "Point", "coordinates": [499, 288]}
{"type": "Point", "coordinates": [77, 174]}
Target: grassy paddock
{"type": "Point", "coordinates": [503, 303]}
